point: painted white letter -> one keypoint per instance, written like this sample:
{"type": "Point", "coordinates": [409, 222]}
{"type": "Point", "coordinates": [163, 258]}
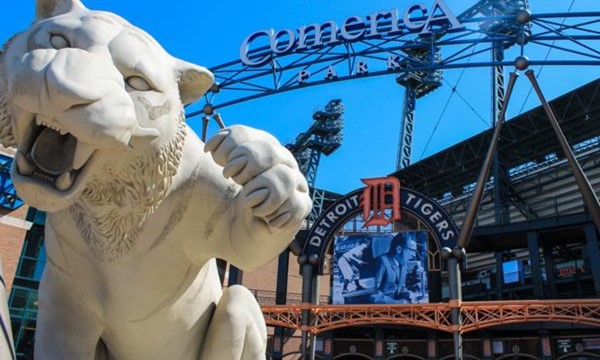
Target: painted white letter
{"type": "Point", "coordinates": [409, 23]}
{"type": "Point", "coordinates": [393, 14]}
{"type": "Point", "coordinates": [303, 75]}
{"type": "Point", "coordinates": [318, 34]}
{"type": "Point", "coordinates": [354, 24]}
{"type": "Point", "coordinates": [445, 18]}
{"type": "Point", "coordinates": [362, 68]}
{"type": "Point", "coordinates": [245, 48]}
{"type": "Point", "coordinates": [331, 73]}
{"type": "Point", "coordinates": [392, 62]}
{"type": "Point", "coordinates": [275, 45]}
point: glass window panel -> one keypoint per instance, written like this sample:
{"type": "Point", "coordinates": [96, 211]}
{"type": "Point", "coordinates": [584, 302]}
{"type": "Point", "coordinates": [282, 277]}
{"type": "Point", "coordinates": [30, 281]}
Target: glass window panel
{"type": "Point", "coordinates": [25, 337]}
{"type": "Point", "coordinates": [27, 268]}
{"type": "Point", "coordinates": [36, 216]}
{"type": "Point", "coordinates": [40, 265]}
{"type": "Point", "coordinates": [32, 304]}
{"type": "Point", "coordinates": [40, 217]}
{"type": "Point", "coordinates": [18, 298]}
{"type": "Point", "coordinates": [34, 241]}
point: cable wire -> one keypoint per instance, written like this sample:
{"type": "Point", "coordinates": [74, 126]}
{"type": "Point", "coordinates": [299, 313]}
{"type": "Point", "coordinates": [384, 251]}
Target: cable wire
{"type": "Point", "coordinates": [471, 107]}
{"type": "Point", "coordinates": [447, 102]}
{"type": "Point", "coordinates": [438, 122]}
{"type": "Point", "coordinates": [539, 72]}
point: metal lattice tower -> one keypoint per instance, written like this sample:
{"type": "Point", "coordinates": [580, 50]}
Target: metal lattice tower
{"type": "Point", "coordinates": [502, 8]}
{"type": "Point", "coordinates": [420, 83]}
{"type": "Point", "coordinates": [323, 137]}
{"type": "Point", "coordinates": [417, 84]}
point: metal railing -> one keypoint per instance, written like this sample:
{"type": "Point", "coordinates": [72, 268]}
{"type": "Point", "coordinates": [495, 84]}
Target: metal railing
{"type": "Point", "coordinates": [476, 315]}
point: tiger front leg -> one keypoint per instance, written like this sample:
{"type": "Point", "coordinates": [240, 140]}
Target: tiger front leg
{"type": "Point", "coordinates": [237, 330]}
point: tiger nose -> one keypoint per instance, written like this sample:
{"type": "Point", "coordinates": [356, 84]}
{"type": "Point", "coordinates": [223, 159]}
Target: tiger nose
{"type": "Point", "coordinates": [77, 78]}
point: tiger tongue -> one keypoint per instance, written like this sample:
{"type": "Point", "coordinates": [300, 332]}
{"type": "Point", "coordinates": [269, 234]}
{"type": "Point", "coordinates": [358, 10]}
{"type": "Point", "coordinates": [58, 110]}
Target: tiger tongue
{"type": "Point", "coordinates": [53, 153]}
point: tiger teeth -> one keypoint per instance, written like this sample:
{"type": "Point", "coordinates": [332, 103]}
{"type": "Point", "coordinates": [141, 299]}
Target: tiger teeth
{"type": "Point", "coordinates": [64, 181]}
{"type": "Point", "coordinates": [42, 120]}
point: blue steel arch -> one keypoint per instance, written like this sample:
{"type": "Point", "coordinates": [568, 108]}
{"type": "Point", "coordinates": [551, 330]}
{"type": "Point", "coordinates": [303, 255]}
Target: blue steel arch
{"type": "Point", "coordinates": [574, 37]}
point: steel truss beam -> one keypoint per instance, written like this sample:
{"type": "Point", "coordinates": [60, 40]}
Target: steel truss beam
{"type": "Point", "coordinates": [574, 43]}
{"type": "Point", "coordinates": [322, 138]}
{"type": "Point", "coordinates": [406, 131]}
{"type": "Point", "coordinates": [475, 315]}
{"type": "Point", "coordinates": [417, 84]}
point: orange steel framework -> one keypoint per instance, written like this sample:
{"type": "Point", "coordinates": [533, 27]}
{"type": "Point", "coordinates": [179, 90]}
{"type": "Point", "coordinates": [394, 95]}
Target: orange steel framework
{"type": "Point", "coordinates": [475, 315]}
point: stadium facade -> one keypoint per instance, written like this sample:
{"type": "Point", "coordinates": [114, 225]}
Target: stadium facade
{"type": "Point", "coordinates": [531, 281]}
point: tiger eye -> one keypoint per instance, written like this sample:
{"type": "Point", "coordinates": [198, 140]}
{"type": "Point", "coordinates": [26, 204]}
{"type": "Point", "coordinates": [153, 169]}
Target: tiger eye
{"type": "Point", "coordinates": [138, 83]}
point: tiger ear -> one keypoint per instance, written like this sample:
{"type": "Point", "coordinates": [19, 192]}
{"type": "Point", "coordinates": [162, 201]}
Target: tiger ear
{"type": "Point", "coordinates": [193, 80]}
{"type": "Point", "coordinates": [48, 8]}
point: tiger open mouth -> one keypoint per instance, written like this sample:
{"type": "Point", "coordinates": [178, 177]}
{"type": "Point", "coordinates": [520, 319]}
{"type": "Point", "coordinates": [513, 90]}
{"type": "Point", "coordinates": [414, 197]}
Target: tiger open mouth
{"type": "Point", "coordinates": [50, 154]}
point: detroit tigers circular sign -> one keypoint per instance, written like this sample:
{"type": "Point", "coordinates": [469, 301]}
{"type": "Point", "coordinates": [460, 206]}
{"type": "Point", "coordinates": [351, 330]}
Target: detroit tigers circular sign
{"type": "Point", "coordinates": [380, 203]}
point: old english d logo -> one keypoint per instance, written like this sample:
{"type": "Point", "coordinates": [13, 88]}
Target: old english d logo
{"type": "Point", "coordinates": [379, 195]}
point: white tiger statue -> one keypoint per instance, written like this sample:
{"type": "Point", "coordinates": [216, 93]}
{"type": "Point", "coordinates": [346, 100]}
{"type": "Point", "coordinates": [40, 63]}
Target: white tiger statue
{"type": "Point", "coordinates": [138, 207]}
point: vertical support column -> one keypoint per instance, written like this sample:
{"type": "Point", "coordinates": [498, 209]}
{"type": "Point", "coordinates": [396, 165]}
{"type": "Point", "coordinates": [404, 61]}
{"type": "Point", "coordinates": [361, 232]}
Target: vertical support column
{"type": "Point", "coordinates": [282, 277]}
{"type": "Point", "coordinates": [550, 275]}
{"type": "Point", "coordinates": [455, 302]}
{"type": "Point", "coordinates": [534, 258]}
{"type": "Point", "coordinates": [487, 347]}
{"type": "Point", "coordinates": [379, 344]}
{"type": "Point", "coordinates": [591, 237]}
{"type": "Point", "coordinates": [501, 198]}
{"type": "Point", "coordinates": [280, 299]}
{"type": "Point", "coordinates": [328, 345]}
{"type": "Point", "coordinates": [499, 276]}
{"type": "Point", "coordinates": [307, 286]}
{"type": "Point", "coordinates": [431, 345]}
{"type": "Point", "coordinates": [314, 299]}
{"type": "Point", "coordinates": [406, 131]}
{"type": "Point", "coordinates": [277, 352]}
{"type": "Point", "coordinates": [454, 257]}
{"type": "Point", "coordinates": [316, 289]}
{"type": "Point", "coordinates": [546, 347]}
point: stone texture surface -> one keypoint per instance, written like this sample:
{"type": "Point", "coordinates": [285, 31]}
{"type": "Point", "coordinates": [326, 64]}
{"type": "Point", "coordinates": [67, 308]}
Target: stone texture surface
{"type": "Point", "coordinates": [137, 205]}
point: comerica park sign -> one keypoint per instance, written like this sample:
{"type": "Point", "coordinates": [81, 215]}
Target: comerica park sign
{"type": "Point", "coordinates": [416, 19]}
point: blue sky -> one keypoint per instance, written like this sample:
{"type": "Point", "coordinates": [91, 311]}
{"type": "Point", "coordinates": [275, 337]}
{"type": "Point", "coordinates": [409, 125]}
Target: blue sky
{"type": "Point", "coordinates": [210, 33]}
